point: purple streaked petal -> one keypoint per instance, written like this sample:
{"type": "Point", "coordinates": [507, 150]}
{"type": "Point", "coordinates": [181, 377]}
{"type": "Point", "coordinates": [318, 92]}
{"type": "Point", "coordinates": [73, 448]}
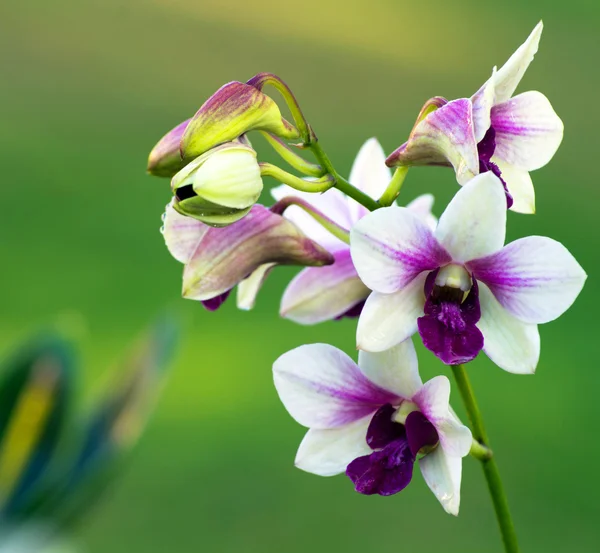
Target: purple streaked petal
{"type": "Point", "coordinates": [395, 369]}
{"type": "Point", "coordinates": [328, 452]}
{"type": "Point", "coordinates": [165, 158]}
{"type": "Point", "coordinates": [382, 429]}
{"type": "Point", "coordinates": [319, 294]}
{"type": "Point", "coordinates": [384, 472]}
{"type": "Point", "coordinates": [474, 223]}
{"type": "Point", "coordinates": [528, 131]}
{"type": "Point", "coordinates": [331, 203]}
{"type": "Point", "coordinates": [225, 256]}
{"type": "Point", "coordinates": [370, 174]}
{"type": "Point", "coordinates": [444, 137]}
{"type": "Point", "coordinates": [388, 319]}
{"type": "Point", "coordinates": [391, 246]}
{"type": "Point", "coordinates": [482, 101]}
{"type": "Point", "coordinates": [536, 279]}
{"type": "Point", "coordinates": [321, 387]}
{"type": "Point", "coordinates": [420, 432]}
{"type": "Point", "coordinates": [510, 343]}
{"type": "Point", "coordinates": [511, 73]}
{"type": "Point", "coordinates": [182, 234]}
{"type": "Point", "coordinates": [519, 185]}
{"type": "Point", "coordinates": [443, 474]}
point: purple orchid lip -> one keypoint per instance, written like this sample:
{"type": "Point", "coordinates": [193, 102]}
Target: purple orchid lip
{"type": "Point", "coordinates": [214, 303]}
{"type": "Point", "coordinates": [448, 326]}
{"type": "Point", "coordinates": [486, 149]}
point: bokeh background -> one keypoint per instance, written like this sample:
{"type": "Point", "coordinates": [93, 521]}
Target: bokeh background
{"type": "Point", "coordinates": [87, 88]}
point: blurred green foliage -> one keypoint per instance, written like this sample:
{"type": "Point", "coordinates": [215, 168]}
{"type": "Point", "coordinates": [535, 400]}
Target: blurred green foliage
{"type": "Point", "coordinates": [87, 89]}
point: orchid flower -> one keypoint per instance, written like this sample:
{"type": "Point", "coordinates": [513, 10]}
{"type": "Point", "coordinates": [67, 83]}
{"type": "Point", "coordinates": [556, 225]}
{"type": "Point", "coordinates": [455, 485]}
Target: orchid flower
{"type": "Point", "coordinates": [373, 420]}
{"type": "Point", "coordinates": [491, 131]}
{"type": "Point", "coordinates": [458, 286]}
{"type": "Point", "coordinates": [218, 259]}
{"type": "Point", "coordinates": [319, 294]}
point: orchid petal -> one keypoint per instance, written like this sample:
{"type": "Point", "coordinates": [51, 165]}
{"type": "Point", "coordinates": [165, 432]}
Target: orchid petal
{"type": "Point", "coordinates": [391, 246]}
{"type": "Point", "coordinates": [182, 234]}
{"type": "Point", "coordinates": [443, 474]}
{"type": "Point", "coordinates": [519, 184]}
{"type": "Point", "coordinates": [445, 137]}
{"type": "Point", "coordinates": [482, 101]}
{"type": "Point", "coordinates": [536, 279]}
{"type": "Point", "coordinates": [332, 203]}
{"type": "Point", "coordinates": [165, 158]}
{"type": "Point", "coordinates": [395, 369]}
{"type": "Point", "coordinates": [510, 343]}
{"type": "Point", "coordinates": [321, 387]}
{"type": "Point", "coordinates": [474, 223]}
{"type": "Point", "coordinates": [388, 319]}
{"type": "Point", "coordinates": [328, 452]}
{"type": "Point", "coordinates": [528, 131]}
{"type": "Point", "coordinates": [421, 206]}
{"type": "Point", "coordinates": [225, 256]}
{"type": "Point", "coordinates": [510, 74]}
{"type": "Point", "coordinates": [370, 174]}
{"type": "Point", "coordinates": [319, 294]}
{"type": "Point", "coordinates": [248, 288]}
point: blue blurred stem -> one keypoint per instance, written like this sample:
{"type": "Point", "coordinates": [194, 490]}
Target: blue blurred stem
{"type": "Point", "coordinates": [490, 467]}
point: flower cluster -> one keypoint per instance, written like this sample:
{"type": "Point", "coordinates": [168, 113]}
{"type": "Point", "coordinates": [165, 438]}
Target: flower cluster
{"type": "Point", "coordinates": [397, 269]}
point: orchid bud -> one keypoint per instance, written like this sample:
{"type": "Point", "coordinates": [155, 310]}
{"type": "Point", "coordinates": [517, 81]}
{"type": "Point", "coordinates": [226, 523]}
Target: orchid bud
{"type": "Point", "coordinates": [233, 110]}
{"type": "Point", "coordinates": [219, 187]}
{"type": "Point", "coordinates": [165, 158]}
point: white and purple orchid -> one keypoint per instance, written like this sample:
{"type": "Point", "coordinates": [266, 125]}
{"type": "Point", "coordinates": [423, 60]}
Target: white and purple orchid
{"type": "Point", "coordinates": [319, 294]}
{"type": "Point", "coordinates": [459, 286]}
{"type": "Point", "coordinates": [491, 131]}
{"type": "Point", "coordinates": [373, 420]}
{"type": "Point", "coordinates": [243, 253]}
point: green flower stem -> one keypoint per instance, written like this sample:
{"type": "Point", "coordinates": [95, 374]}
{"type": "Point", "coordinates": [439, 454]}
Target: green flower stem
{"type": "Point", "coordinates": [316, 185]}
{"type": "Point", "coordinates": [321, 218]}
{"type": "Point", "coordinates": [481, 452]}
{"type": "Point", "coordinates": [291, 157]}
{"type": "Point", "coordinates": [490, 468]}
{"type": "Point", "coordinates": [393, 188]}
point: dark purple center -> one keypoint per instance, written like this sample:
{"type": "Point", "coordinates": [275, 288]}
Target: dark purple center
{"type": "Point", "coordinates": [214, 303]}
{"type": "Point", "coordinates": [352, 313]}
{"type": "Point", "coordinates": [448, 326]}
{"type": "Point", "coordinates": [486, 149]}
{"type": "Point", "coordinates": [389, 468]}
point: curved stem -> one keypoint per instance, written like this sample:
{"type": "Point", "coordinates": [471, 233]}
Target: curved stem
{"type": "Point", "coordinates": [304, 185]}
{"type": "Point", "coordinates": [328, 224]}
{"type": "Point", "coordinates": [490, 468]}
{"type": "Point", "coordinates": [393, 188]}
{"type": "Point", "coordinates": [296, 161]}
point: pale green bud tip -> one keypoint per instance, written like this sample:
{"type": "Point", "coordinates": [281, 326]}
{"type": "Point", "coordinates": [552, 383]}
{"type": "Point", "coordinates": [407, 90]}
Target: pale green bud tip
{"type": "Point", "coordinates": [233, 110]}
{"type": "Point", "coordinates": [165, 158]}
{"type": "Point", "coordinates": [219, 187]}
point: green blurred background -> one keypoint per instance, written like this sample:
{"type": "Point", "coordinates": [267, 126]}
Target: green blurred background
{"type": "Point", "coordinates": [87, 88]}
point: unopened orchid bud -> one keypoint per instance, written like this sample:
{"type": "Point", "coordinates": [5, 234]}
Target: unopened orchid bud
{"type": "Point", "coordinates": [233, 110]}
{"type": "Point", "coordinates": [165, 158]}
{"type": "Point", "coordinates": [219, 187]}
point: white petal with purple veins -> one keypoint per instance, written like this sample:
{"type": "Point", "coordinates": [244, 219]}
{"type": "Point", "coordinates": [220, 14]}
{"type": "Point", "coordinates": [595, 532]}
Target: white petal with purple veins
{"type": "Point", "coordinates": [182, 234]}
{"type": "Point", "coordinates": [332, 203]}
{"type": "Point", "coordinates": [528, 131]}
{"type": "Point", "coordinates": [520, 186]}
{"type": "Point", "coordinates": [388, 319]}
{"type": "Point", "coordinates": [328, 452]}
{"type": "Point", "coordinates": [510, 343]}
{"type": "Point", "coordinates": [511, 73]}
{"type": "Point", "coordinates": [536, 278]}
{"type": "Point", "coordinates": [474, 223]}
{"type": "Point", "coordinates": [395, 369]}
{"type": "Point", "coordinates": [321, 387]}
{"type": "Point", "coordinates": [391, 246]}
{"type": "Point", "coordinates": [443, 475]}
{"type": "Point", "coordinates": [370, 174]}
{"type": "Point", "coordinates": [319, 294]}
